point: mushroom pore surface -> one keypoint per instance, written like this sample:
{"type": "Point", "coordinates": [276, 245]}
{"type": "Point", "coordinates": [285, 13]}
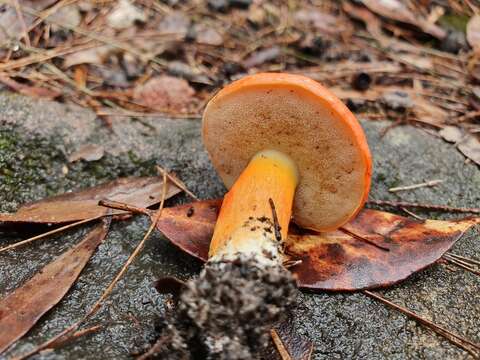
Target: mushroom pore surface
{"type": "Point", "coordinates": [317, 131]}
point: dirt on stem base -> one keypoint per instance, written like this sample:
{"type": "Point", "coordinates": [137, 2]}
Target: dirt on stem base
{"type": "Point", "coordinates": [227, 312]}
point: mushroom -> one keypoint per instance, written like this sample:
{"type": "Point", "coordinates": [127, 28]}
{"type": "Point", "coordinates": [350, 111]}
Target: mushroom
{"type": "Point", "coordinates": [283, 145]}
{"type": "Point", "coordinates": [286, 138]}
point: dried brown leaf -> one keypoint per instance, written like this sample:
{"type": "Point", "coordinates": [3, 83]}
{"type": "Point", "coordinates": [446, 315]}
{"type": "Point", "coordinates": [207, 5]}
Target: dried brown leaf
{"type": "Point", "coordinates": [392, 9]}
{"type": "Point", "coordinates": [470, 147]}
{"type": "Point", "coordinates": [372, 22]}
{"type": "Point", "coordinates": [398, 11]}
{"type": "Point", "coordinates": [68, 15]}
{"type": "Point", "coordinates": [174, 23]}
{"type": "Point", "coordinates": [473, 31]}
{"type": "Point", "coordinates": [262, 56]}
{"type": "Point", "coordinates": [451, 134]}
{"type": "Point", "coordinates": [208, 35]}
{"type": "Point", "coordinates": [192, 74]}
{"type": "Point", "coordinates": [165, 93]}
{"type": "Point", "coordinates": [96, 55]}
{"type": "Point", "coordinates": [376, 249]}
{"type": "Point", "coordinates": [124, 15]}
{"type": "Point", "coordinates": [428, 112]}
{"type": "Point", "coordinates": [89, 152]}
{"type": "Point", "coordinates": [190, 227]}
{"type": "Point", "coordinates": [21, 309]}
{"type": "Point", "coordinates": [468, 144]}
{"type": "Point", "coordinates": [10, 27]}
{"type": "Point", "coordinates": [83, 204]}
{"type": "Point", "coordinates": [321, 21]}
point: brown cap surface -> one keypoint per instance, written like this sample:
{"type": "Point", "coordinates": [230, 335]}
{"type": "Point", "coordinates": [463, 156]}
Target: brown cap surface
{"type": "Point", "coordinates": [299, 117]}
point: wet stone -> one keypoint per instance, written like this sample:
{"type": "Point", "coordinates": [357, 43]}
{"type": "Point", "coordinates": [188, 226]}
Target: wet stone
{"type": "Point", "coordinates": [36, 139]}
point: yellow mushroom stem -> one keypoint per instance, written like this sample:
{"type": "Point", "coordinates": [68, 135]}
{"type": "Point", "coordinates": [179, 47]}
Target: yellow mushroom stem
{"type": "Point", "coordinates": [246, 223]}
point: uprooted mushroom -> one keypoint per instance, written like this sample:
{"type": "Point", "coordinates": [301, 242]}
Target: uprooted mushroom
{"type": "Point", "coordinates": [286, 148]}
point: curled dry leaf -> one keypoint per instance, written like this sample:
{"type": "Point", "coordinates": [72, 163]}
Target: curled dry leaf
{"type": "Point", "coordinates": [83, 204]}
{"type": "Point", "coordinates": [21, 309]}
{"type": "Point", "coordinates": [165, 93]}
{"type": "Point", "coordinates": [376, 249]}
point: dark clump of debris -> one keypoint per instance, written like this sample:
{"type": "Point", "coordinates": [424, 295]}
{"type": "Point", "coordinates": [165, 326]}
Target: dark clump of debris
{"type": "Point", "coordinates": [227, 312]}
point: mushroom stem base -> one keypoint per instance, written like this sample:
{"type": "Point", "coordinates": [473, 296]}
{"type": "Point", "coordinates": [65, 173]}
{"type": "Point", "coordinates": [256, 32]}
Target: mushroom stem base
{"type": "Point", "coordinates": [227, 312]}
{"type": "Point", "coordinates": [246, 224]}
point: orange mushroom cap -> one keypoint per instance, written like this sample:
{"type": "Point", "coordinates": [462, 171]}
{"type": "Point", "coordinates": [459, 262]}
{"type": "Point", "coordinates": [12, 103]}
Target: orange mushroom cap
{"type": "Point", "coordinates": [298, 117]}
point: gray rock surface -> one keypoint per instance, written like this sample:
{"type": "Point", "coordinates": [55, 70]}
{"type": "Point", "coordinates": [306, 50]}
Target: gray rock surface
{"type": "Point", "coordinates": [35, 140]}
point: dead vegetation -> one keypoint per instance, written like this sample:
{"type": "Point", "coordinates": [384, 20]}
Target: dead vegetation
{"type": "Point", "coordinates": [409, 62]}
{"type": "Point", "coordinates": [404, 61]}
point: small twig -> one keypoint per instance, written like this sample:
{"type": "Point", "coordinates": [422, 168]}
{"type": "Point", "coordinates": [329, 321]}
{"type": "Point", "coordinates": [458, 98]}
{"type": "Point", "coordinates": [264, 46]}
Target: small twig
{"type": "Point", "coordinates": [48, 233]}
{"type": "Point", "coordinates": [43, 57]}
{"type": "Point", "coordinates": [412, 214]}
{"type": "Point", "coordinates": [177, 182]}
{"type": "Point", "coordinates": [291, 263]}
{"type": "Point", "coordinates": [154, 349]}
{"type": "Point", "coordinates": [149, 114]}
{"type": "Point", "coordinates": [110, 287]}
{"type": "Point", "coordinates": [282, 351]}
{"type": "Point", "coordinates": [416, 186]}
{"type": "Point", "coordinates": [56, 71]}
{"type": "Point", "coordinates": [123, 206]}
{"type": "Point", "coordinates": [468, 116]}
{"type": "Point", "coordinates": [472, 261]}
{"type": "Point", "coordinates": [448, 256]}
{"type": "Point", "coordinates": [76, 335]}
{"type": "Point", "coordinates": [424, 206]}
{"type": "Point", "coordinates": [276, 225]}
{"type": "Point", "coordinates": [447, 334]}
{"type": "Point", "coordinates": [359, 237]}
{"type": "Point", "coordinates": [461, 264]}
